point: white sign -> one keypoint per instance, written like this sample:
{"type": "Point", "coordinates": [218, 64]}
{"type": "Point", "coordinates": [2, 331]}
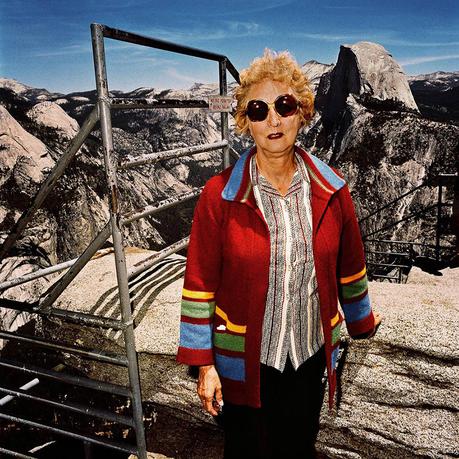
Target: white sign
{"type": "Point", "coordinates": [220, 103]}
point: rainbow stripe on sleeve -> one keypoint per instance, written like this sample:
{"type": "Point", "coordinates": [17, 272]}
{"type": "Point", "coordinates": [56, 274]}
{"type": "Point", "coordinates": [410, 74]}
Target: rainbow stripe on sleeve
{"type": "Point", "coordinates": [197, 312]}
{"type": "Point", "coordinates": [353, 295]}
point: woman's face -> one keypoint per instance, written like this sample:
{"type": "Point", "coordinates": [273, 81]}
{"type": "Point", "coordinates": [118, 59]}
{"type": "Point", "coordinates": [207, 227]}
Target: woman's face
{"type": "Point", "coordinates": [275, 136]}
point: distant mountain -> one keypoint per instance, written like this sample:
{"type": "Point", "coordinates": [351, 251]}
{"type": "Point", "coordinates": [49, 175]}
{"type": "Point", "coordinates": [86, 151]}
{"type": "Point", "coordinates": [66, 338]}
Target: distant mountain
{"type": "Point", "coordinates": [437, 95]}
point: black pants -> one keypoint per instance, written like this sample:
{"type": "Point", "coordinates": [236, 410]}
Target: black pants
{"type": "Point", "coordinates": [287, 423]}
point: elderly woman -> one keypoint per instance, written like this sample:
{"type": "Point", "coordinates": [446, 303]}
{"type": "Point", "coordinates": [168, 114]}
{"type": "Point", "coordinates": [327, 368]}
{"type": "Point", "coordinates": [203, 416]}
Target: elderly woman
{"type": "Point", "coordinates": [274, 244]}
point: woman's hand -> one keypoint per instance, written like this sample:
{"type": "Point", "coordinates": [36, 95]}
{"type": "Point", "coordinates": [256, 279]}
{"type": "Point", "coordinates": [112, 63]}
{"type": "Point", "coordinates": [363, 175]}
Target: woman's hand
{"type": "Point", "coordinates": [370, 334]}
{"type": "Point", "coordinates": [378, 319]}
{"type": "Point", "coordinates": [209, 386]}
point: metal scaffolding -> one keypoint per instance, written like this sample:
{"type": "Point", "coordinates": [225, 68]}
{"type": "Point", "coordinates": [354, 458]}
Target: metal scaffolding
{"type": "Point", "coordinates": [44, 307]}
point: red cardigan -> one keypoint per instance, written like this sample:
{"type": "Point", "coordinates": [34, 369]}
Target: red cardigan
{"type": "Point", "coordinates": [226, 278]}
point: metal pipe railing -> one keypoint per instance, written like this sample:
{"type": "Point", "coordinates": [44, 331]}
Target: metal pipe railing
{"type": "Point", "coordinates": [137, 39]}
{"type": "Point", "coordinates": [407, 217]}
{"type": "Point", "coordinates": [80, 318]}
{"type": "Point", "coordinates": [162, 205]}
{"type": "Point", "coordinates": [389, 241]}
{"type": "Point", "coordinates": [15, 454]}
{"type": "Point", "coordinates": [70, 379]}
{"type": "Point", "coordinates": [424, 184]}
{"type": "Point", "coordinates": [101, 356]}
{"type": "Point", "coordinates": [42, 272]}
{"type": "Point", "coordinates": [44, 307]}
{"type": "Point", "coordinates": [126, 103]}
{"type": "Point", "coordinates": [83, 259]}
{"type": "Point", "coordinates": [75, 407]}
{"type": "Point", "coordinates": [223, 86]}
{"type": "Point", "coordinates": [151, 261]}
{"type": "Point", "coordinates": [97, 33]}
{"type": "Point", "coordinates": [68, 433]}
{"type": "Point", "coordinates": [152, 158]}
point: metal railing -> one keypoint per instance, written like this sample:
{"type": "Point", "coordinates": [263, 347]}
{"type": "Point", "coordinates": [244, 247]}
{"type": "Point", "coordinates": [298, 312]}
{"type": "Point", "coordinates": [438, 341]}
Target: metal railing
{"type": "Point", "coordinates": [44, 306]}
{"type": "Point", "coordinates": [391, 260]}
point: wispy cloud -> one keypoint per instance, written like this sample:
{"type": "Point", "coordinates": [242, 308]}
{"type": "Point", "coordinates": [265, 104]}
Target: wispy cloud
{"type": "Point", "coordinates": [174, 74]}
{"type": "Point", "coordinates": [342, 7]}
{"type": "Point", "coordinates": [84, 48]}
{"type": "Point", "coordinates": [384, 37]}
{"type": "Point", "coordinates": [424, 59]}
{"type": "Point", "coordinates": [328, 36]}
{"type": "Point", "coordinates": [413, 43]}
{"type": "Point", "coordinates": [65, 51]}
{"type": "Point", "coordinates": [226, 30]}
{"type": "Point", "coordinates": [242, 9]}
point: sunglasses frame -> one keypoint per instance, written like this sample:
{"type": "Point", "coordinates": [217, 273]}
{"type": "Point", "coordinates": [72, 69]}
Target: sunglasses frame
{"type": "Point", "coordinates": [273, 105]}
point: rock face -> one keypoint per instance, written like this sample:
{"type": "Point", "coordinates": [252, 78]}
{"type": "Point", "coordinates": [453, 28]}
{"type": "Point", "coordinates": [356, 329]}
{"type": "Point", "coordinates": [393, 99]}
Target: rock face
{"type": "Point", "coordinates": [371, 130]}
{"type": "Point", "coordinates": [23, 156]}
{"type": "Point", "coordinates": [399, 389]}
{"type": "Point", "coordinates": [368, 71]}
{"type": "Point", "coordinates": [51, 115]}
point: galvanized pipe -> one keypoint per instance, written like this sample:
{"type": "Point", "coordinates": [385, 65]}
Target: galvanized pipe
{"type": "Point", "coordinates": [70, 379]}
{"type": "Point", "coordinates": [75, 407]}
{"type": "Point", "coordinates": [26, 386]}
{"type": "Point", "coordinates": [407, 217]}
{"type": "Point", "coordinates": [152, 158]}
{"type": "Point", "coordinates": [101, 356]}
{"type": "Point", "coordinates": [438, 228]}
{"type": "Point", "coordinates": [151, 261]}
{"type": "Point", "coordinates": [71, 316]}
{"type": "Point", "coordinates": [162, 205]}
{"type": "Point", "coordinates": [387, 265]}
{"type": "Point", "coordinates": [50, 181]}
{"type": "Point", "coordinates": [67, 433]}
{"type": "Point", "coordinates": [37, 274]}
{"type": "Point", "coordinates": [97, 33]}
{"type": "Point", "coordinates": [389, 241]}
{"type": "Point", "coordinates": [83, 259]}
{"type": "Point", "coordinates": [129, 37]}
{"type": "Point", "coordinates": [126, 103]}
{"type": "Point", "coordinates": [234, 153]}
{"type": "Point", "coordinates": [15, 454]}
{"type": "Point", "coordinates": [224, 116]}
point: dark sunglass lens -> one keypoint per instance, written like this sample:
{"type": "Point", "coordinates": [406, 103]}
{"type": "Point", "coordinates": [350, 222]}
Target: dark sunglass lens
{"type": "Point", "coordinates": [286, 105]}
{"type": "Point", "coordinates": [257, 110]}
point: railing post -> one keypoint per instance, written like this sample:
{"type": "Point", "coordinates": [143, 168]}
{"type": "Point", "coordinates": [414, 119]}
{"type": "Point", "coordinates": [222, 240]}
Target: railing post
{"type": "Point", "coordinates": [120, 259]}
{"type": "Point", "coordinates": [224, 115]}
{"type": "Point", "coordinates": [438, 229]}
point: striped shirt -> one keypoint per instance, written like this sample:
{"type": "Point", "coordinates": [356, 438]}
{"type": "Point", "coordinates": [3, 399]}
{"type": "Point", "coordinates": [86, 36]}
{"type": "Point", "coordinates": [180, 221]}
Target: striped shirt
{"type": "Point", "coordinates": [291, 324]}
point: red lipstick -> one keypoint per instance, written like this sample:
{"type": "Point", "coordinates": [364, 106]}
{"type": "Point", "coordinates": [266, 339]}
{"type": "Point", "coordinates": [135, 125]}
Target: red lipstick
{"type": "Point", "coordinates": [276, 135]}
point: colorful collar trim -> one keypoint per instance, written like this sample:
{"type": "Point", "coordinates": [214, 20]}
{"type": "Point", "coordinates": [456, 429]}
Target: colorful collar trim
{"type": "Point", "coordinates": [318, 171]}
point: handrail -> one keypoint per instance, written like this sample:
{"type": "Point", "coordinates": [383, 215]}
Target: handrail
{"type": "Point", "coordinates": [407, 217]}
{"type": "Point", "coordinates": [404, 195]}
{"type": "Point", "coordinates": [439, 205]}
{"type": "Point", "coordinates": [427, 182]}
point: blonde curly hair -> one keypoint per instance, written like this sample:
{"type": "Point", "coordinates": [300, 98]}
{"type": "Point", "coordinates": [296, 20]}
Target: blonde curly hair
{"type": "Point", "coordinates": [273, 66]}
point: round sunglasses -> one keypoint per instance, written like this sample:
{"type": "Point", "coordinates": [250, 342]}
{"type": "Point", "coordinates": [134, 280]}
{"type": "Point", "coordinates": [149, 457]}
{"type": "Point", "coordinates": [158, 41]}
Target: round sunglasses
{"type": "Point", "coordinates": [285, 105]}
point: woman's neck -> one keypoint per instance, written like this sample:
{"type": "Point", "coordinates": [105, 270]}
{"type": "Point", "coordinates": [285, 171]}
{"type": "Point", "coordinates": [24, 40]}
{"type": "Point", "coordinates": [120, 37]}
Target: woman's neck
{"type": "Point", "coordinates": [278, 170]}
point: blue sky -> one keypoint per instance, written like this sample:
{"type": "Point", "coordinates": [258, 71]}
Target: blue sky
{"type": "Point", "coordinates": [46, 43]}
